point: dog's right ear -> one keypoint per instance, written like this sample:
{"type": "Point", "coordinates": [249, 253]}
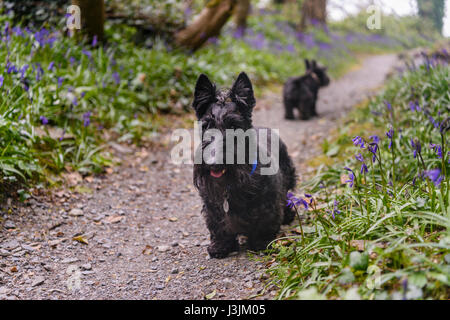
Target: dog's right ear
{"type": "Point", "coordinates": [205, 94]}
{"type": "Point", "coordinates": [307, 65]}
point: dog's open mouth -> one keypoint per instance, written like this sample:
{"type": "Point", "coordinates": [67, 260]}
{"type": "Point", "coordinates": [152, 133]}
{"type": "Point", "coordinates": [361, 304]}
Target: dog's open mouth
{"type": "Point", "coordinates": [217, 174]}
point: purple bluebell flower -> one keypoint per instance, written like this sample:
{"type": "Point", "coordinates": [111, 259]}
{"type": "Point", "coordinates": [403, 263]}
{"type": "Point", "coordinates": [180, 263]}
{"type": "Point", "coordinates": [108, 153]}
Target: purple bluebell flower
{"type": "Point", "coordinates": [51, 66]}
{"type": "Point", "coordinates": [187, 13]}
{"type": "Point", "coordinates": [314, 22]}
{"type": "Point", "coordinates": [239, 33]}
{"type": "Point", "coordinates": [388, 105]}
{"type": "Point", "coordinates": [302, 202]}
{"type": "Point", "coordinates": [375, 139]}
{"type": "Point", "coordinates": [373, 148]}
{"type": "Point", "coordinates": [116, 77]}
{"type": "Point", "coordinates": [414, 106]}
{"type": "Point", "coordinates": [309, 41]}
{"type": "Point", "coordinates": [358, 141]}
{"type": "Point", "coordinates": [294, 201]}
{"type": "Point", "coordinates": [62, 135]}
{"type": "Point", "coordinates": [94, 41]}
{"type": "Point", "coordinates": [360, 158]}
{"type": "Point", "coordinates": [435, 123]}
{"type": "Point", "coordinates": [86, 118]}
{"type": "Point", "coordinates": [10, 68]}
{"type": "Point", "coordinates": [60, 81]}
{"type": "Point", "coordinates": [23, 70]}
{"type": "Point", "coordinates": [44, 120]}
{"type": "Point", "coordinates": [390, 135]}
{"type": "Point", "coordinates": [257, 42]}
{"type": "Point", "coordinates": [41, 36]}
{"type": "Point", "coordinates": [437, 149]}
{"type": "Point", "coordinates": [87, 53]}
{"type": "Point", "coordinates": [351, 175]}
{"type": "Point", "coordinates": [18, 31]}
{"type": "Point", "coordinates": [6, 30]}
{"type": "Point", "coordinates": [213, 40]}
{"type": "Point", "coordinates": [325, 46]}
{"type": "Point", "coordinates": [1, 80]}
{"type": "Point", "coordinates": [291, 199]}
{"type": "Point", "coordinates": [290, 48]}
{"type": "Point", "coordinates": [417, 147]}
{"type": "Point", "coordinates": [335, 209]}
{"type": "Point", "coordinates": [26, 85]}
{"type": "Point", "coordinates": [39, 71]}
{"type": "Point", "coordinates": [434, 175]}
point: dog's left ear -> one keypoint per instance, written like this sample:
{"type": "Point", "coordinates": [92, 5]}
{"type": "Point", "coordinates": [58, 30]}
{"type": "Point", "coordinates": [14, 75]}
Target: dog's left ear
{"type": "Point", "coordinates": [242, 92]}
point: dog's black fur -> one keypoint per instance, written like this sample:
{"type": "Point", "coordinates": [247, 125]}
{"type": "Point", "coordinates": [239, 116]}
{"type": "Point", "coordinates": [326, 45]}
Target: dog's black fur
{"type": "Point", "coordinates": [301, 92]}
{"type": "Point", "coordinates": [257, 203]}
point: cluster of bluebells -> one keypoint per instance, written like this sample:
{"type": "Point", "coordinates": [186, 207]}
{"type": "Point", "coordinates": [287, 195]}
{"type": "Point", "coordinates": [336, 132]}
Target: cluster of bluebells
{"type": "Point", "coordinates": [434, 175]}
{"type": "Point", "coordinates": [333, 44]}
{"type": "Point", "coordinates": [417, 147]}
{"type": "Point", "coordinates": [293, 201]}
{"type": "Point", "coordinates": [390, 135]}
{"type": "Point", "coordinates": [29, 74]}
{"type": "Point", "coordinates": [87, 119]}
{"type": "Point", "coordinates": [335, 210]}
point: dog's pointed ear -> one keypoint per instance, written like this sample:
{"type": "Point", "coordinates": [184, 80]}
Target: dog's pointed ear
{"type": "Point", "coordinates": [204, 94]}
{"type": "Point", "coordinates": [314, 64]}
{"type": "Point", "coordinates": [307, 65]}
{"type": "Point", "coordinates": [242, 92]}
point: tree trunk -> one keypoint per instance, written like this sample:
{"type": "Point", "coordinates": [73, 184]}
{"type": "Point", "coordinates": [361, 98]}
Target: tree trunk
{"type": "Point", "coordinates": [208, 24]}
{"type": "Point", "coordinates": [432, 12]}
{"type": "Point", "coordinates": [92, 17]}
{"type": "Point", "coordinates": [242, 12]}
{"type": "Point", "coordinates": [314, 12]}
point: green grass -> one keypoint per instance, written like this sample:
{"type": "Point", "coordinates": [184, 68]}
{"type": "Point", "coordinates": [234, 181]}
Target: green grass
{"type": "Point", "coordinates": [387, 236]}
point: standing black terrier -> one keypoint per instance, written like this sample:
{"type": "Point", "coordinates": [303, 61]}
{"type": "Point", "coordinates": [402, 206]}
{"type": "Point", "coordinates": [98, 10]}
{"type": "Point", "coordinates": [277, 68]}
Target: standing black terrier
{"type": "Point", "coordinates": [301, 92]}
{"type": "Point", "coordinates": [238, 199]}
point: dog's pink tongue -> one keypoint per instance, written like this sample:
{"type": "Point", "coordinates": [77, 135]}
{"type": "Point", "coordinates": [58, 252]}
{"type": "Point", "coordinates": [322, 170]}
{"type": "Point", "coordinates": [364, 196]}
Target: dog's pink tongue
{"type": "Point", "coordinates": [216, 174]}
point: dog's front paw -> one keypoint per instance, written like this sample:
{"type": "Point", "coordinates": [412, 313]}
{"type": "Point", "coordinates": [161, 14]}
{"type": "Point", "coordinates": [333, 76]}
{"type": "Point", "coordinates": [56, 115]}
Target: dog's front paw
{"type": "Point", "coordinates": [220, 251]}
{"type": "Point", "coordinates": [289, 117]}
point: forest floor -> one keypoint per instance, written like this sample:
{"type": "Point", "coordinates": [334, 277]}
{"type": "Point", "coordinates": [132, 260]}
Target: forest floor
{"type": "Point", "coordinates": [138, 233]}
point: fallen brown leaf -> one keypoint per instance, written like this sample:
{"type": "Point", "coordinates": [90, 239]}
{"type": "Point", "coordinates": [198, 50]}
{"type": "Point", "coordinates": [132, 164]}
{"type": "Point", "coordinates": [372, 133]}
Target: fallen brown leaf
{"type": "Point", "coordinates": [80, 239]}
{"type": "Point", "coordinates": [148, 250]}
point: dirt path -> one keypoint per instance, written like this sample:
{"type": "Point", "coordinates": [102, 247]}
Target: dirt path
{"type": "Point", "coordinates": [146, 237]}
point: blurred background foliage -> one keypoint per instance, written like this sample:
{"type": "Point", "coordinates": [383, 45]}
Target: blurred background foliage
{"type": "Point", "coordinates": [63, 98]}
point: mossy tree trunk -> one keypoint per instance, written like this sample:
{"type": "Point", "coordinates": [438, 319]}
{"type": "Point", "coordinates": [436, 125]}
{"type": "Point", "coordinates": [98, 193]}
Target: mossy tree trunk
{"type": "Point", "coordinates": [92, 17]}
{"type": "Point", "coordinates": [208, 24]}
{"type": "Point", "coordinates": [314, 12]}
{"type": "Point", "coordinates": [241, 14]}
{"type": "Point", "coordinates": [432, 12]}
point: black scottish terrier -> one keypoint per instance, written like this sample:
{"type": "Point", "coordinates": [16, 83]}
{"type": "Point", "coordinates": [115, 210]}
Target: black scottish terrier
{"type": "Point", "coordinates": [301, 92]}
{"type": "Point", "coordinates": [237, 198]}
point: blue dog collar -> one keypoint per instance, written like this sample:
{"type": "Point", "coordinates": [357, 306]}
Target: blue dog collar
{"type": "Point", "coordinates": [254, 166]}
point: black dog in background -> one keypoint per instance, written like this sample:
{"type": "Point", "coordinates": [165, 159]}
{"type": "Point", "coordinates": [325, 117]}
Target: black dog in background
{"type": "Point", "coordinates": [237, 198]}
{"type": "Point", "coordinates": [301, 92]}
